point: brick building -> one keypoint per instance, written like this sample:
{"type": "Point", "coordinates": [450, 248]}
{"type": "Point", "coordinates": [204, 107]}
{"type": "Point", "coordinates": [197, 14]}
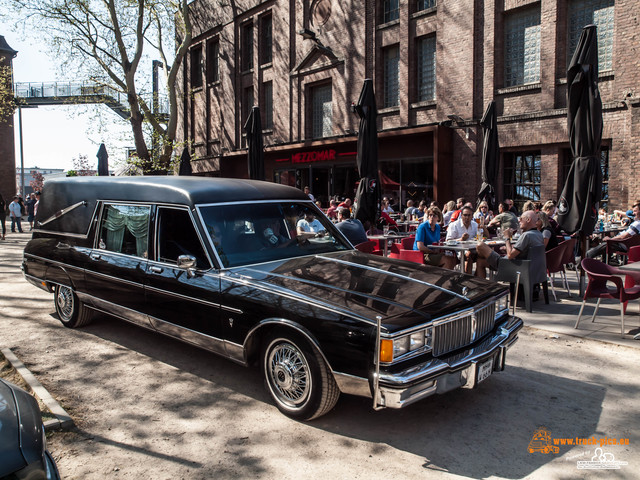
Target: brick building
{"type": "Point", "coordinates": [7, 143]}
{"type": "Point", "coordinates": [436, 64]}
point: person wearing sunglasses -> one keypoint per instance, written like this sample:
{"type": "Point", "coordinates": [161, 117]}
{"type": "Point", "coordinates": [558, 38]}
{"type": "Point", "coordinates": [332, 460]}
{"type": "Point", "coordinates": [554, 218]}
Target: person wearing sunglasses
{"type": "Point", "coordinates": [464, 229]}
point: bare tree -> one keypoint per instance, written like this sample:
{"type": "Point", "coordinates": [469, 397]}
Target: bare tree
{"type": "Point", "coordinates": [106, 41]}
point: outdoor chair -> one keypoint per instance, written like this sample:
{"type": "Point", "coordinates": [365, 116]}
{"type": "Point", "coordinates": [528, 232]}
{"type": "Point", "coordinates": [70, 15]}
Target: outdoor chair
{"type": "Point", "coordinates": [412, 255]}
{"type": "Point", "coordinates": [569, 257]}
{"type": "Point", "coordinates": [600, 274]}
{"type": "Point", "coordinates": [629, 243]}
{"type": "Point", "coordinates": [555, 264]}
{"type": "Point", "coordinates": [370, 246]}
{"type": "Point", "coordinates": [629, 281]}
{"type": "Point", "coordinates": [533, 271]}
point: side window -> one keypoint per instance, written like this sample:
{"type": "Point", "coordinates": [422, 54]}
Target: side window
{"type": "Point", "coordinates": [177, 236]}
{"type": "Point", "coordinates": [124, 229]}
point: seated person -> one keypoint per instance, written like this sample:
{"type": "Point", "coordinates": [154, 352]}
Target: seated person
{"type": "Point", "coordinates": [271, 234]}
{"type": "Point", "coordinates": [351, 227]}
{"type": "Point", "coordinates": [428, 233]}
{"type": "Point", "coordinates": [310, 226]}
{"type": "Point", "coordinates": [531, 237]}
{"type": "Point", "coordinates": [505, 219]}
{"type": "Point", "coordinates": [614, 246]}
{"type": "Point", "coordinates": [548, 235]}
{"type": "Point", "coordinates": [332, 211]}
{"type": "Point", "coordinates": [464, 229]}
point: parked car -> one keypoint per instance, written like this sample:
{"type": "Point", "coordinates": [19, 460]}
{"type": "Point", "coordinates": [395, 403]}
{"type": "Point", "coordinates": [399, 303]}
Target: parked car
{"type": "Point", "coordinates": [219, 263]}
{"type": "Point", "coordinates": [23, 447]}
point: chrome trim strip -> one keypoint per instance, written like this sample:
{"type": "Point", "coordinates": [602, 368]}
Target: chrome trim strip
{"type": "Point", "coordinates": [252, 202]}
{"type": "Point", "coordinates": [64, 211]}
{"type": "Point", "coordinates": [183, 297]}
{"type": "Point", "coordinates": [352, 385]}
{"type": "Point", "coordinates": [115, 279]}
{"type": "Point", "coordinates": [379, 270]}
{"type": "Point", "coordinates": [53, 262]}
{"type": "Point", "coordinates": [62, 234]}
{"type": "Point", "coordinates": [208, 342]}
{"type": "Point", "coordinates": [344, 290]}
{"type": "Point", "coordinates": [128, 314]}
{"type": "Point", "coordinates": [234, 277]}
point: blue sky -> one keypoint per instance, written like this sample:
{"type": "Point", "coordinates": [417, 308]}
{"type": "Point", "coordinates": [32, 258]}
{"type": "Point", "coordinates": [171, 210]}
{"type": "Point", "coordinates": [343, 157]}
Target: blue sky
{"type": "Point", "coordinates": [53, 136]}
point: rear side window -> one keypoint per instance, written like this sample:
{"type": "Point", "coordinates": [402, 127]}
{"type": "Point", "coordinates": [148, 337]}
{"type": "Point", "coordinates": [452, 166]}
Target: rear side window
{"type": "Point", "coordinates": [177, 236]}
{"type": "Point", "coordinates": [125, 229]}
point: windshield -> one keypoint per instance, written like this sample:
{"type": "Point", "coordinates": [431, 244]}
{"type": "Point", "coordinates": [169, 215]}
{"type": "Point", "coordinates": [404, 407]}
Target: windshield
{"type": "Point", "coordinates": [247, 233]}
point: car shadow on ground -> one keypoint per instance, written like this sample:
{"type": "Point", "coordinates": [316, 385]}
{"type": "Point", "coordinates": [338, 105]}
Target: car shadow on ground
{"type": "Point", "coordinates": [473, 433]}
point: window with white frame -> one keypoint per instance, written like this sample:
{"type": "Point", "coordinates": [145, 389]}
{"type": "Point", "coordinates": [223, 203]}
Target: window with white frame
{"type": "Point", "coordinates": [321, 111]}
{"type": "Point", "coordinates": [596, 12]}
{"type": "Point", "coordinates": [522, 47]}
{"type": "Point", "coordinates": [391, 57]}
{"type": "Point", "coordinates": [390, 10]}
{"type": "Point", "coordinates": [426, 69]}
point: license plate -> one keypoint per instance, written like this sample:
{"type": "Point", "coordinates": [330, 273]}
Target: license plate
{"type": "Point", "coordinates": [484, 370]}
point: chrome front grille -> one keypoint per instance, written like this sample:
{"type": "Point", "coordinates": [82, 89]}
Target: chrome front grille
{"type": "Point", "coordinates": [449, 334]}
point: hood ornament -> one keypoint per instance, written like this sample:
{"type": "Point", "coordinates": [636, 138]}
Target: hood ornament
{"type": "Point", "coordinates": [465, 290]}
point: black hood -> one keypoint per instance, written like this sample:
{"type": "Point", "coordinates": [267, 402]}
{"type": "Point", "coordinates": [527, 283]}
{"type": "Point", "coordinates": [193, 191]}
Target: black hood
{"type": "Point", "coordinates": [403, 293]}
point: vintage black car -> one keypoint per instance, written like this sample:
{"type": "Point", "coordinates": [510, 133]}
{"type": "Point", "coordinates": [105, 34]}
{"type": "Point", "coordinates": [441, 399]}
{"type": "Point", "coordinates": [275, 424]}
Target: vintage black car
{"type": "Point", "coordinates": [219, 263]}
{"type": "Point", "coordinates": [23, 446]}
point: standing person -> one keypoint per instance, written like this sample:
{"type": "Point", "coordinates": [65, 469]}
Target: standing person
{"type": "Point", "coordinates": [35, 207]}
{"type": "Point", "coordinates": [427, 234]}
{"type": "Point", "coordinates": [307, 191]}
{"type": "Point", "coordinates": [15, 212]}
{"type": "Point", "coordinates": [30, 204]}
{"type": "Point", "coordinates": [351, 227]}
{"type": "Point", "coordinates": [3, 215]}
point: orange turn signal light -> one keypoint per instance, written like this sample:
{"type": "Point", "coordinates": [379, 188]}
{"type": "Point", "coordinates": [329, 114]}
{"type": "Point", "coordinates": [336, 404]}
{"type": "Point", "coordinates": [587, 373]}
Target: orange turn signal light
{"type": "Point", "coordinates": [386, 350]}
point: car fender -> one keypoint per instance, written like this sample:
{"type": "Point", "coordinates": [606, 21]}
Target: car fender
{"type": "Point", "coordinates": [253, 341]}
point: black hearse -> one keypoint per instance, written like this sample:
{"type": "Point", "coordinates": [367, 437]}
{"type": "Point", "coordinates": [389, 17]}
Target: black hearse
{"type": "Point", "coordinates": [218, 263]}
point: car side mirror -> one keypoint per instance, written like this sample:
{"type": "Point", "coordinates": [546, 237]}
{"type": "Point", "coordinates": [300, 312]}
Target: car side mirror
{"type": "Point", "coordinates": [187, 261]}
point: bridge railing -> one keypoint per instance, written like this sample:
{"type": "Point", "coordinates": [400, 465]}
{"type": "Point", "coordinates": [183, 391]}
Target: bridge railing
{"type": "Point", "coordinates": [33, 90]}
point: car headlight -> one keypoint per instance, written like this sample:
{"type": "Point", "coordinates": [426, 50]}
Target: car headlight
{"type": "Point", "coordinates": [392, 349]}
{"type": "Point", "coordinates": [502, 304]}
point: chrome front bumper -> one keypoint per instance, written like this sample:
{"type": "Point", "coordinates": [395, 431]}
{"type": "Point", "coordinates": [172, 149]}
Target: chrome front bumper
{"type": "Point", "coordinates": [439, 375]}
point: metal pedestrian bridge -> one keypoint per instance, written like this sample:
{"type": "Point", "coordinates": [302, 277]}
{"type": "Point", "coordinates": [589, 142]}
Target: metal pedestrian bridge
{"type": "Point", "coordinates": [57, 93]}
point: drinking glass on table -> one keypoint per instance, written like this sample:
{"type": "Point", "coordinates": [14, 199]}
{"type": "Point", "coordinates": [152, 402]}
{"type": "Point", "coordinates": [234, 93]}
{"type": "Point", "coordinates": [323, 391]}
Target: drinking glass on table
{"type": "Point", "coordinates": [385, 230]}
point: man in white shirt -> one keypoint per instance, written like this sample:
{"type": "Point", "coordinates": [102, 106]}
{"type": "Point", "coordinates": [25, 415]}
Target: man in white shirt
{"type": "Point", "coordinates": [634, 229]}
{"type": "Point", "coordinates": [310, 226]}
{"type": "Point", "coordinates": [307, 191]}
{"type": "Point", "coordinates": [463, 229]}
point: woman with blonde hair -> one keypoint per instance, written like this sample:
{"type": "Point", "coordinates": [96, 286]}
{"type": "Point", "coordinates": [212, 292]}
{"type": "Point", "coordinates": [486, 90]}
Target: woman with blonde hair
{"type": "Point", "coordinates": [449, 208]}
{"type": "Point", "coordinates": [548, 235]}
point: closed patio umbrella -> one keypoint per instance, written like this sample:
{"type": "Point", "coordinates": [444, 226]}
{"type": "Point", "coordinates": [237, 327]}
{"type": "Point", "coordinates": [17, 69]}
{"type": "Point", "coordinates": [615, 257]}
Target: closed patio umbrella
{"type": "Point", "coordinates": [103, 161]}
{"type": "Point", "coordinates": [185, 163]}
{"type": "Point", "coordinates": [368, 193]}
{"type": "Point", "coordinates": [255, 153]}
{"type": "Point", "coordinates": [578, 204]}
{"type": "Point", "coordinates": [490, 156]}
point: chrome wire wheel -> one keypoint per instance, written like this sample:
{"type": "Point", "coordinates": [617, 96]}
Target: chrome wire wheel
{"type": "Point", "coordinates": [288, 373]}
{"type": "Point", "coordinates": [65, 303]}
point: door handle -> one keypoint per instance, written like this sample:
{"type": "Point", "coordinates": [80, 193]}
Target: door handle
{"type": "Point", "coordinates": [155, 269]}
{"type": "Point", "coordinates": [95, 256]}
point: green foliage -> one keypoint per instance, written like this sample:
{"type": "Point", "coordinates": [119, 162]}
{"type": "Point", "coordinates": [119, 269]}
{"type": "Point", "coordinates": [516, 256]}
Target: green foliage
{"type": "Point", "coordinates": [7, 100]}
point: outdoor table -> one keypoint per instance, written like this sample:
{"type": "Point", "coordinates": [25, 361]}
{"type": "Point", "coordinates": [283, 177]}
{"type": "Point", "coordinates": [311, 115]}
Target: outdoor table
{"type": "Point", "coordinates": [390, 236]}
{"type": "Point", "coordinates": [407, 224]}
{"type": "Point", "coordinates": [631, 267]}
{"type": "Point", "coordinates": [461, 247]}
